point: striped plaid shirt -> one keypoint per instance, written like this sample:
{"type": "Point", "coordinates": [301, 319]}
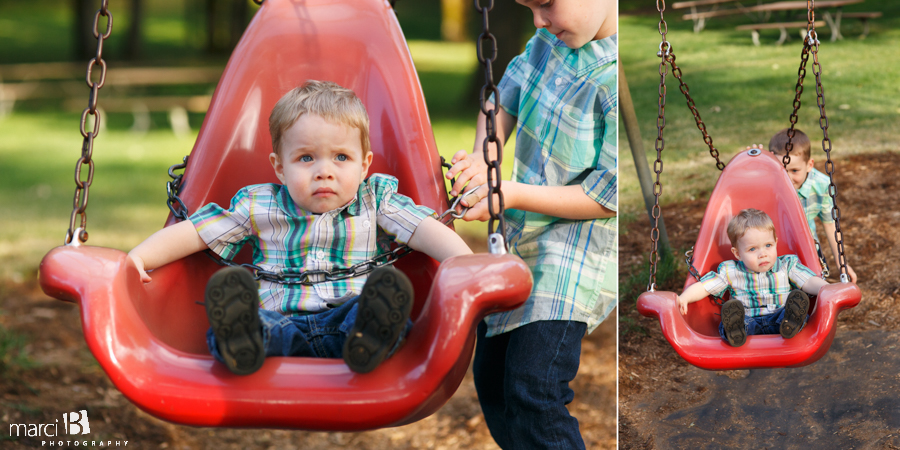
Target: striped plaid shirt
{"type": "Point", "coordinates": [815, 199]}
{"type": "Point", "coordinates": [757, 291]}
{"type": "Point", "coordinates": [565, 104]}
{"type": "Point", "coordinates": [287, 239]}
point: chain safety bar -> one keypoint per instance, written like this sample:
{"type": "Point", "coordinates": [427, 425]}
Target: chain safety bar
{"type": "Point", "coordinates": [310, 277]}
{"type": "Point", "coordinates": [79, 235]}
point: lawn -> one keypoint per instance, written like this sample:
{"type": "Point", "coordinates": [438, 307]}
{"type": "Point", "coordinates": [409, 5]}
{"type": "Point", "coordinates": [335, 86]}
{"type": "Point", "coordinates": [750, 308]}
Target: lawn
{"type": "Point", "coordinates": [745, 93]}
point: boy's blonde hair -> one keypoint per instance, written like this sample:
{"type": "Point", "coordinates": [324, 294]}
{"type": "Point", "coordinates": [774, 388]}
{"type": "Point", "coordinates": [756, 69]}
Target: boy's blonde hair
{"type": "Point", "coordinates": [746, 219]}
{"type": "Point", "coordinates": [325, 99]}
{"type": "Point", "coordinates": [801, 144]}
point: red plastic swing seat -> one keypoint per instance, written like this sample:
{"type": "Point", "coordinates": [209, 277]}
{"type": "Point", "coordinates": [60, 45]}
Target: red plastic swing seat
{"type": "Point", "coordinates": [150, 339]}
{"type": "Point", "coordinates": [750, 181]}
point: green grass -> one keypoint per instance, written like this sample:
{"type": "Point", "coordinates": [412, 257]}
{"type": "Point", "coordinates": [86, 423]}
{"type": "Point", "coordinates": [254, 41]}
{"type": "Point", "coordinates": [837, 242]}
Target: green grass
{"type": "Point", "coordinates": [745, 94]}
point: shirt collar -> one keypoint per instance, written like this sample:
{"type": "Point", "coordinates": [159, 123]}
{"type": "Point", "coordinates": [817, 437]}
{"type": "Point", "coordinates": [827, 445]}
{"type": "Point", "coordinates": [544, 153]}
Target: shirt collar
{"type": "Point", "coordinates": [584, 60]}
{"type": "Point", "coordinates": [287, 203]}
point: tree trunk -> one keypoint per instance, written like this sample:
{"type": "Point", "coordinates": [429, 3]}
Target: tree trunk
{"type": "Point", "coordinates": [133, 47]}
{"type": "Point", "coordinates": [85, 44]}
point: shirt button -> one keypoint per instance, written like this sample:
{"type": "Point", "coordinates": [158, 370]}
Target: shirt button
{"type": "Point", "coordinates": [320, 255]}
{"type": "Point", "coordinates": [367, 224]}
{"type": "Point", "coordinates": [558, 81]}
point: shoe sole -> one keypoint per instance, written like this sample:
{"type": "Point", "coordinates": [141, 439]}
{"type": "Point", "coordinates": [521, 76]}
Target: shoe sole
{"type": "Point", "coordinates": [795, 311]}
{"type": "Point", "coordinates": [382, 312]}
{"type": "Point", "coordinates": [733, 323]}
{"type": "Point", "coordinates": [232, 307]}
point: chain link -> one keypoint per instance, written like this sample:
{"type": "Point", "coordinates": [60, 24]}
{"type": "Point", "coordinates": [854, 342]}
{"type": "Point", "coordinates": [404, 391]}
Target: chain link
{"type": "Point", "coordinates": [496, 223]}
{"type": "Point", "coordinates": [664, 50]}
{"type": "Point", "coordinates": [79, 235]}
{"type": "Point", "coordinates": [676, 71]}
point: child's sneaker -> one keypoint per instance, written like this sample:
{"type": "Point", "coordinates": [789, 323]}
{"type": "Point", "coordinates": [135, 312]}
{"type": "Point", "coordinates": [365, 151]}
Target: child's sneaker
{"type": "Point", "coordinates": [381, 316]}
{"type": "Point", "coordinates": [795, 309]}
{"type": "Point", "coordinates": [232, 306]}
{"type": "Point", "coordinates": [733, 322]}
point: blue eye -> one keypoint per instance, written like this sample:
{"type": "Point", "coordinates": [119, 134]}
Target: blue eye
{"type": "Point", "coordinates": [306, 158]}
{"type": "Point", "coordinates": [341, 157]}
{"type": "Point", "coordinates": [752, 249]}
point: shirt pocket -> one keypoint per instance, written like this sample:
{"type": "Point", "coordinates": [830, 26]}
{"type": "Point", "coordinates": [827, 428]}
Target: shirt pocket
{"type": "Point", "coordinates": [570, 142]}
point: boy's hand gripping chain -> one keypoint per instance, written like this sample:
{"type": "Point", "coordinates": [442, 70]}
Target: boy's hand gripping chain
{"type": "Point", "coordinates": [496, 234]}
{"type": "Point", "coordinates": [77, 236]}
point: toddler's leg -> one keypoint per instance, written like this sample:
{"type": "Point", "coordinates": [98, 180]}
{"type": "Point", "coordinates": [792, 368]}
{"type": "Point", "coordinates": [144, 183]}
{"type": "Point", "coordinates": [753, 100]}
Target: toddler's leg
{"type": "Point", "coordinates": [795, 312]}
{"type": "Point", "coordinates": [733, 326]}
{"type": "Point", "coordinates": [382, 313]}
{"type": "Point", "coordinates": [232, 306]}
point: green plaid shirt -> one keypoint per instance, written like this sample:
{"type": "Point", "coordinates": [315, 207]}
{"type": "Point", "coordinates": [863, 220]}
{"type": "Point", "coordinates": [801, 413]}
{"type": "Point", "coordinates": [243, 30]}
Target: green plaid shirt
{"type": "Point", "coordinates": [761, 293]}
{"type": "Point", "coordinates": [815, 199]}
{"type": "Point", "coordinates": [565, 103]}
{"type": "Point", "coordinates": [287, 239]}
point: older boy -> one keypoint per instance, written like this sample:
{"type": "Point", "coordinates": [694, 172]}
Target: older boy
{"type": "Point", "coordinates": [763, 302]}
{"type": "Point", "coordinates": [811, 186]}
{"type": "Point", "coordinates": [560, 215]}
{"type": "Point", "coordinates": [326, 215]}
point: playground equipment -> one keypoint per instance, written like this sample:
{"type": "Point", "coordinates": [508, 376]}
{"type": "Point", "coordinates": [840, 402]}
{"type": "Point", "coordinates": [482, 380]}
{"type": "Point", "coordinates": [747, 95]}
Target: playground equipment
{"type": "Point", "coordinates": [150, 338]}
{"type": "Point", "coordinates": [751, 179]}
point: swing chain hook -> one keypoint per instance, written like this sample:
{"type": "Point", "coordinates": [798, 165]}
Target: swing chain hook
{"type": "Point", "coordinates": [496, 223]}
{"type": "Point", "coordinates": [82, 186]}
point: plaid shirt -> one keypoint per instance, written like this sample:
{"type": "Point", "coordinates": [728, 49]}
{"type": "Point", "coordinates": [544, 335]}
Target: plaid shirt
{"type": "Point", "coordinates": [287, 239]}
{"type": "Point", "coordinates": [565, 102]}
{"type": "Point", "coordinates": [761, 293]}
{"type": "Point", "coordinates": [815, 199]}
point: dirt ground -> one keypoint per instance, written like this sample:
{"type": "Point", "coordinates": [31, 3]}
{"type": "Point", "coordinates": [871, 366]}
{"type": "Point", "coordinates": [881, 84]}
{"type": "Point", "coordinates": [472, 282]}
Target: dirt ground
{"type": "Point", "coordinates": [666, 403]}
{"type": "Point", "coordinates": [60, 375]}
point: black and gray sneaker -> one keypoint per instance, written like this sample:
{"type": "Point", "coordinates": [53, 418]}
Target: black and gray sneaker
{"type": "Point", "coordinates": [795, 310]}
{"type": "Point", "coordinates": [733, 322]}
{"type": "Point", "coordinates": [232, 306]}
{"type": "Point", "coordinates": [382, 313]}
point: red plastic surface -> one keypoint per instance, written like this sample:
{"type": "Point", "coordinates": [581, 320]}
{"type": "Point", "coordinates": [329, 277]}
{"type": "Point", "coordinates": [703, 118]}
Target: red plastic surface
{"type": "Point", "coordinates": [150, 339]}
{"type": "Point", "coordinates": [750, 182]}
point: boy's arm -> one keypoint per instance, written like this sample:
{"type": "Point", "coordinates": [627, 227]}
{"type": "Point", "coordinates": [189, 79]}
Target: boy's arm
{"type": "Point", "coordinates": [813, 285]}
{"type": "Point", "coordinates": [566, 202]}
{"type": "Point", "coordinates": [166, 245]}
{"type": "Point", "coordinates": [471, 167]}
{"type": "Point", "coordinates": [832, 242]}
{"type": "Point", "coordinates": [693, 293]}
{"type": "Point", "coordinates": [437, 240]}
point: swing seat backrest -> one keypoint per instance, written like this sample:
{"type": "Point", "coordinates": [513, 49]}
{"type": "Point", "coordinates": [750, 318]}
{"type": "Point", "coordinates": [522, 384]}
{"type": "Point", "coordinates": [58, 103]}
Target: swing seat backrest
{"type": "Point", "coordinates": [750, 180]}
{"type": "Point", "coordinates": [150, 339]}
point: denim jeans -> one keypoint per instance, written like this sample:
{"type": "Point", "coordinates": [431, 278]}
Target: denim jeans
{"type": "Point", "coordinates": [764, 324]}
{"type": "Point", "coordinates": [319, 335]}
{"type": "Point", "coordinates": [522, 379]}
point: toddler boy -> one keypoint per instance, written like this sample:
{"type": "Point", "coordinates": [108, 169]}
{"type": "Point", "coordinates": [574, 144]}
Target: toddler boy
{"type": "Point", "coordinates": [811, 186]}
{"type": "Point", "coordinates": [560, 94]}
{"type": "Point", "coordinates": [762, 301]}
{"type": "Point", "coordinates": [325, 215]}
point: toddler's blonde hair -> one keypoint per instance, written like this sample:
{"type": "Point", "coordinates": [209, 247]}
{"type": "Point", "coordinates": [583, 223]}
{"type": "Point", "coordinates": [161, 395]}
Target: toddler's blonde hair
{"type": "Point", "coordinates": [746, 219]}
{"type": "Point", "coordinates": [325, 99]}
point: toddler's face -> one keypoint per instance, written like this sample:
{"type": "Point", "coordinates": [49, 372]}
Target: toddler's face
{"type": "Point", "coordinates": [321, 163]}
{"type": "Point", "coordinates": [575, 22]}
{"type": "Point", "coordinates": [797, 170]}
{"type": "Point", "coordinates": [757, 249]}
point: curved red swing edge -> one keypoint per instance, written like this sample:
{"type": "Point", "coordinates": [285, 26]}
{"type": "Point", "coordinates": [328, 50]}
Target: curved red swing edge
{"type": "Point", "coordinates": [150, 339]}
{"type": "Point", "coordinates": [758, 181]}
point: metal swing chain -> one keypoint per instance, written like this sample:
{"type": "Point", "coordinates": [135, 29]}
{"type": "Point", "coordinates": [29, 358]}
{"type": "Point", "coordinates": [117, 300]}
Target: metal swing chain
{"type": "Point", "coordinates": [79, 235]}
{"type": "Point", "coordinates": [676, 71]}
{"type": "Point", "coordinates": [496, 224]}
{"type": "Point", "coordinates": [180, 211]}
{"type": "Point", "coordinates": [664, 49]}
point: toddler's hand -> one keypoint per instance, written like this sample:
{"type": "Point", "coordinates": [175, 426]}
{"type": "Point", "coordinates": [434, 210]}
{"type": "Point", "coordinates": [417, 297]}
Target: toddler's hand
{"type": "Point", "coordinates": [682, 304]}
{"type": "Point", "coordinates": [467, 168]}
{"type": "Point", "coordinates": [757, 146]}
{"type": "Point", "coordinates": [139, 263]}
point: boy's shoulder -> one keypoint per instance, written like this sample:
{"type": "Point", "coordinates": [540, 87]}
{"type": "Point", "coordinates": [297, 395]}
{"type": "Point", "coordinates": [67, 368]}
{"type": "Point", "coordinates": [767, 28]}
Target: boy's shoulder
{"type": "Point", "coordinates": [816, 182]}
{"type": "Point", "coordinates": [380, 182]}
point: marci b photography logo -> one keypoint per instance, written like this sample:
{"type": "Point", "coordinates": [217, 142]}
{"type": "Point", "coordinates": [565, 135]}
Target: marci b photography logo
{"type": "Point", "coordinates": [73, 424]}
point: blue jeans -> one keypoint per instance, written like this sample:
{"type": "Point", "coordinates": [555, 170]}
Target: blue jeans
{"type": "Point", "coordinates": [319, 335]}
{"type": "Point", "coordinates": [764, 324]}
{"type": "Point", "coordinates": [522, 378]}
